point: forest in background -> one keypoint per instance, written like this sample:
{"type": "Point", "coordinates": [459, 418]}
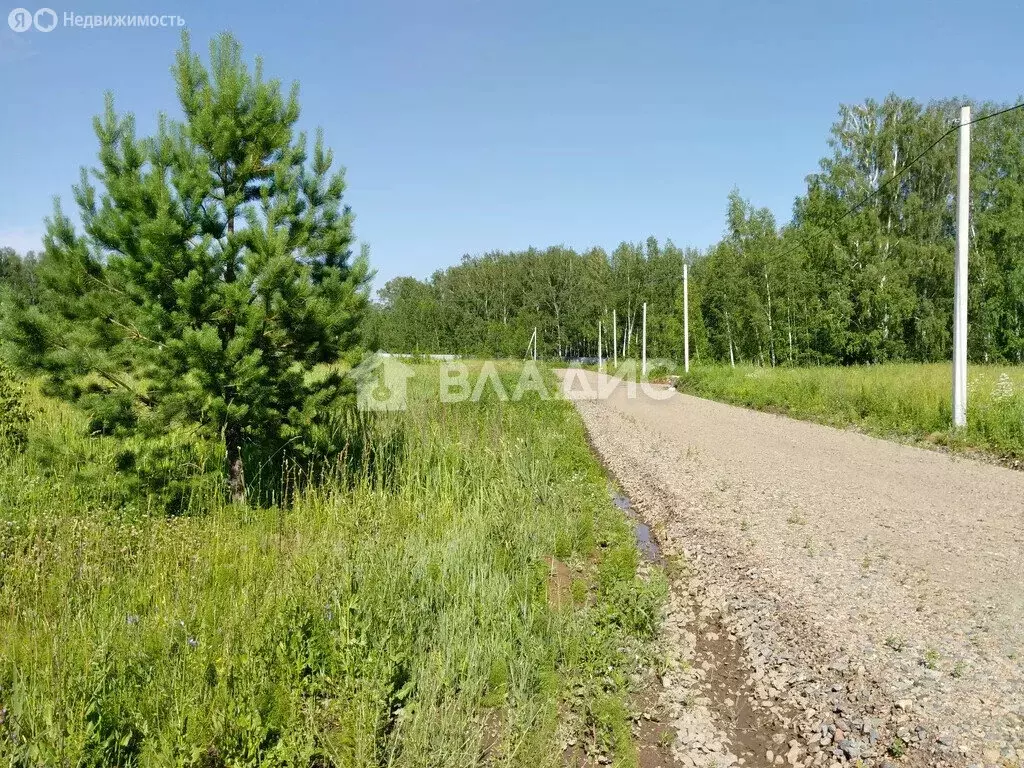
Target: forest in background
{"type": "Point", "coordinates": [828, 287]}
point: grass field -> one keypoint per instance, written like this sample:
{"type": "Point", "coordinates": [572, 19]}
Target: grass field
{"type": "Point", "coordinates": [908, 401]}
{"type": "Point", "coordinates": [404, 613]}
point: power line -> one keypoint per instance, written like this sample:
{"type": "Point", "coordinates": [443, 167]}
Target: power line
{"type": "Point", "coordinates": [990, 115]}
{"type": "Point", "coordinates": [870, 196]}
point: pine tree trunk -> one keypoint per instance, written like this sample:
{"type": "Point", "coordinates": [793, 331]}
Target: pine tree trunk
{"type": "Point", "coordinates": [236, 468]}
{"type": "Point", "coordinates": [233, 432]}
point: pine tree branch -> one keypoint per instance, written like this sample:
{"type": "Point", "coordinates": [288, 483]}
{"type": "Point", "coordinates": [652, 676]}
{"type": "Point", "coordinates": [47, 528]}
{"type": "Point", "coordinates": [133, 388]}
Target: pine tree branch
{"type": "Point", "coordinates": [143, 398]}
{"type": "Point", "coordinates": [135, 332]}
{"type": "Point", "coordinates": [113, 379]}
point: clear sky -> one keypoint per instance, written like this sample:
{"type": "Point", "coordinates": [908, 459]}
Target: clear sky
{"type": "Point", "coordinates": [475, 125]}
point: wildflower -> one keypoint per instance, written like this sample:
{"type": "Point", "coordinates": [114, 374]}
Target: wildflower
{"type": "Point", "coordinates": [193, 643]}
{"type": "Point", "coordinates": [1003, 389]}
{"type": "Point", "coordinates": [132, 619]}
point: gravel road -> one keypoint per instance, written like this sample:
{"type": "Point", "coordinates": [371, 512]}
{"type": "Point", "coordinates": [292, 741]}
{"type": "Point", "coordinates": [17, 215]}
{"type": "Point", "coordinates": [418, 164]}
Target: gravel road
{"type": "Point", "coordinates": [836, 598]}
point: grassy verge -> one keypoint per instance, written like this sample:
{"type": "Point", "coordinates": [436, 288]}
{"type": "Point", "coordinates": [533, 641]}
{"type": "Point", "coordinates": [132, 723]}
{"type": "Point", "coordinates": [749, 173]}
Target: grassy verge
{"type": "Point", "coordinates": [908, 401]}
{"type": "Point", "coordinates": [470, 596]}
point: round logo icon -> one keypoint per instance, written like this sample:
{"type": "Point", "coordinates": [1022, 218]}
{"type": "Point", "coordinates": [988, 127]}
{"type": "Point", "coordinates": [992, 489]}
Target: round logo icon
{"type": "Point", "coordinates": [45, 19]}
{"type": "Point", "coordinates": [20, 20]}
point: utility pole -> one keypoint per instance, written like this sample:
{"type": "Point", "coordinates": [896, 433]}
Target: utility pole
{"type": "Point", "coordinates": [600, 358]}
{"type": "Point", "coordinates": [686, 321]}
{"type": "Point", "coordinates": [643, 369]}
{"type": "Point", "coordinates": [615, 344]}
{"type": "Point", "coordinates": [963, 228]}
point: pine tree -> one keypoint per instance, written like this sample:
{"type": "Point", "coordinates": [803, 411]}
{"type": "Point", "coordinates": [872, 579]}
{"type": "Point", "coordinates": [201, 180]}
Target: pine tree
{"type": "Point", "coordinates": [213, 282]}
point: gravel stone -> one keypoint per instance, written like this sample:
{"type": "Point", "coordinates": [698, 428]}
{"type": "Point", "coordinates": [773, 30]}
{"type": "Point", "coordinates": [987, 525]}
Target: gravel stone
{"type": "Point", "coordinates": [899, 548]}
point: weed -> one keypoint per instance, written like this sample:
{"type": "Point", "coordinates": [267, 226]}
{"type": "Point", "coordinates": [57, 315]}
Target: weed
{"type": "Point", "coordinates": [578, 589]}
{"type": "Point", "coordinates": [897, 748]}
{"type": "Point", "coordinates": [676, 566]}
{"type": "Point", "coordinates": [14, 419]}
{"type": "Point", "coordinates": [895, 642]}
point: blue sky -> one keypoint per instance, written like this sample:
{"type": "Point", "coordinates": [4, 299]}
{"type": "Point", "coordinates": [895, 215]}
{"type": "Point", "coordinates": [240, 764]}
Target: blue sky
{"type": "Point", "coordinates": [474, 125]}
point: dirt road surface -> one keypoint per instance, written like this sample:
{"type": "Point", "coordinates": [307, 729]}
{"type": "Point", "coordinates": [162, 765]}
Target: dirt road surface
{"type": "Point", "coordinates": [836, 598]}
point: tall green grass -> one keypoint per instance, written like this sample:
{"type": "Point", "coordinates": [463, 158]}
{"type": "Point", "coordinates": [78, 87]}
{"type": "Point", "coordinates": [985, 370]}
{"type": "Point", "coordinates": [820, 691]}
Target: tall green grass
{"type": "Point", "coordinates": [399, 614]}
{"type": "Point", "coordinates": [894, 400]}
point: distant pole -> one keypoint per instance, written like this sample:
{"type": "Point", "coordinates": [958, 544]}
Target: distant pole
{"type": "Point", "coordinates": [963, 225]}
{"type": "Point", "coordinates": [600, 358]}
{"type": "Point", "coordinates": [686, 321]}
{"type": "Point", "coordinates": [615, 344]}
{"type": "Point", "coordinates": [643, 369]}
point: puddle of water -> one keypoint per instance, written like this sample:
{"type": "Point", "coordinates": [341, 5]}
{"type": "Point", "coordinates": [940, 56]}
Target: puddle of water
{"type": "Point", "coordinates": [644, 538]}
{"type": "Point", "coordinates": [648, 546]}
{"type": "Point", "coordinates": [751, 731]}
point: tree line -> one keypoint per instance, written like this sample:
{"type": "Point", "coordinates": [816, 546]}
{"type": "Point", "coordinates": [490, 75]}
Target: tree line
{"type": "Point", "coordinates": [844, 281]}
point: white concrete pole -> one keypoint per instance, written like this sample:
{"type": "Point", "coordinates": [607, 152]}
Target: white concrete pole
{"type": "Point", "coordinates": [615, 343]}
{"type": "Point", "coordinates": [643, 369]}
{"type": "Point", "coordinates": [600, 358]}
{"type": "Point", "coordinates": [686, 321]}
{"type": "Point", "coordinates": [963, 228]}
